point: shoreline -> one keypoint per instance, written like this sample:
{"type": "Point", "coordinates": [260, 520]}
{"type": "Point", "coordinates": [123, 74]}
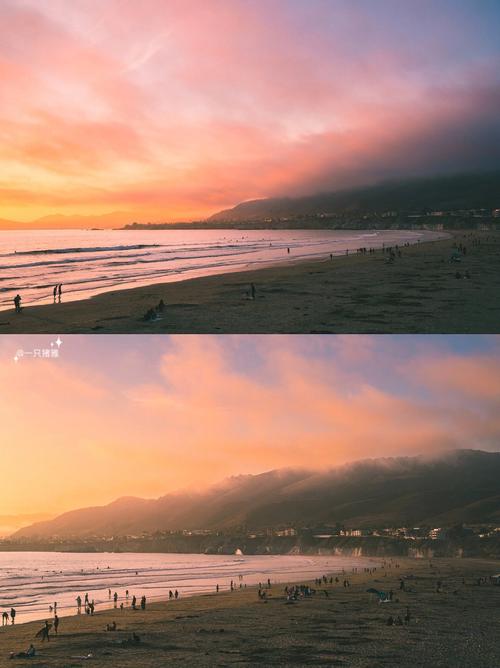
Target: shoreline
{"type": "Point", "coordinates": [310, 566]}
{"type": "Point", "coordinates": [418, 293]}
{"type": "Point", "coordinates": [453, 626]}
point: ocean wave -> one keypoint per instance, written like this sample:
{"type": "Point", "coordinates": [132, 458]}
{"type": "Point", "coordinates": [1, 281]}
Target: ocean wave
{"type": "Point", "coordinates": [91, 249]}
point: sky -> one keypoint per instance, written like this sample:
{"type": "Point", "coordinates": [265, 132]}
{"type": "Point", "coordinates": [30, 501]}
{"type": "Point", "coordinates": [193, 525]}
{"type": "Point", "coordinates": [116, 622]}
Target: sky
{"type": "Point", "coordinates": [174, 109]}
{"type": "Point", "coordinates": [129, 415]}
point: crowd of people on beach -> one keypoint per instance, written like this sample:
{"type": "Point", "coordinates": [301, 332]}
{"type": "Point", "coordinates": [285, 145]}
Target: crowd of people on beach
{"type": "Point", "coordinates": [401, 615]}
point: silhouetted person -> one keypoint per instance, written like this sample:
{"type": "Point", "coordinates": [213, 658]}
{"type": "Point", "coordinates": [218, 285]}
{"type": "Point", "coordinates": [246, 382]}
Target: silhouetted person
{"type": "Point", "coordinates": [55, 293]}
{"type": "Point", "coordinates": [30, 653]}
{"type": "Point", "coordinates": [59, 291]}
{"type": "Point", "coordinates": [176, 594]}
{"type": "Point", "coordinates": [12, 615]}
{"type": "Point", "coordinates": [17, 303]}
{"type": "Point", "coordinates": [44, 632]}
{"type": "Point", "coordinates": [252, 290]}
{"type": "Point", "coordinates": [56, 623]}
{"type": "Point", "coordinates": [134, 601]}
{"type": "Point", "coordinates": [5, 618]}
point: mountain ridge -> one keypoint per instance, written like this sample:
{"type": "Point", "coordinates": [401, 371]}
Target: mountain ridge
{"type": "Point", "coordinates": [458, 486]}
{"type": "Point", "coordinates": [452, 192]}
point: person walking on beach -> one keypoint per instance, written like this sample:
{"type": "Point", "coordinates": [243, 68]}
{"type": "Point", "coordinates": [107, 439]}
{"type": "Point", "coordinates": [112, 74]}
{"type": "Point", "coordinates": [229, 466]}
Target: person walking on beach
{"type": "Point", "coordinates": [45, 632]}
{"type": "Point", "coordinates": [56, 623]}
{"type": "Point", "coordinates": [12, 615]}
{"type": "Point", "coordinates": [252, 291]}
{"type": "Point", "coordinates": [143, 603]}
{"type": "Point", "coordinates": [55, 293]}
{"type": "Point", "coordinates": [134, 601]}
{"type": "Point", "coordinates": [59, 291]}
{"type": "Point", "coordinates": [79, 603]}
{"type": "Point", "coordinates": [176, 594]}
{"type": "Point", "coordinates": [17, 303]}
{"type": "Point", "coordinates": [5, 618]}
{"type": "Point", "coordinates": [115, 598]}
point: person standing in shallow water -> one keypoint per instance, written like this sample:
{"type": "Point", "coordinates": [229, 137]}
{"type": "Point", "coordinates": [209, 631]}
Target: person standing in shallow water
{"type": "Point", "coordinates": [59, 291]}
{"type": "Point", "coordinates": [55, 293]}
{"type": "Point", "coordinates": [17, 303]}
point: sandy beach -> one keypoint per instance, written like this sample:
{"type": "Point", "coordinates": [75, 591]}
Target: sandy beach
{"type": "Point", "coordinates": [417, 293]}
{"type": "Point", "coordinates": [457, 626]}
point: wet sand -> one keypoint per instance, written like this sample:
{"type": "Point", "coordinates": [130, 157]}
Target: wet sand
{"type": "Point", "coordinates": [457, 627]}
{"type": "Point", "coordinates": [418, 293]}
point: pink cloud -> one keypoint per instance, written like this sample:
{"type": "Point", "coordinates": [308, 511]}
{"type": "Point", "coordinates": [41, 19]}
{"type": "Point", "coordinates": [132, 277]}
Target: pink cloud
{"type": "Point", "coordinates": [190, 106]}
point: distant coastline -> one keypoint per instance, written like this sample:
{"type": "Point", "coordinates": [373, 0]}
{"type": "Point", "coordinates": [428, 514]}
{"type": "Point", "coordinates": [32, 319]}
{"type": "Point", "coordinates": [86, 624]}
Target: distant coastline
{"type": "Point", "coordinates": [418, 223]}
{"type": "Point", "coordinates": [227, 544]}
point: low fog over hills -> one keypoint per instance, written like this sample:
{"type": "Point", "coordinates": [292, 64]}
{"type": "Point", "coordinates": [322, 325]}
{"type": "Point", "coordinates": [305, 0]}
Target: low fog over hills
{"type": "Point", "coordinates": [447, 193]}
{"type": "Point", "coordinates": [460, 486]}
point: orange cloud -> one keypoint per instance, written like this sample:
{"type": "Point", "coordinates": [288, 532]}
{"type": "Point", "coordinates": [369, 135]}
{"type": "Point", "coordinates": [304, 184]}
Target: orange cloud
{"type": "Point", "coordinates": [115, 417]}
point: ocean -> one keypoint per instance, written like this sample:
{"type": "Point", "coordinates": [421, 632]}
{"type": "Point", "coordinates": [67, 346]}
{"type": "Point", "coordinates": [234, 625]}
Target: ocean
{"type": "Point", "coordinates": [89, 262]}
{"type": "Point", "coordinates": [32, 581]}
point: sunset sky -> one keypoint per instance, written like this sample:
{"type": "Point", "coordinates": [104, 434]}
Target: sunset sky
{"type": "Point", "coordinates": [135, 415]}
{"type": "Point", "coordinates": [174, 109]}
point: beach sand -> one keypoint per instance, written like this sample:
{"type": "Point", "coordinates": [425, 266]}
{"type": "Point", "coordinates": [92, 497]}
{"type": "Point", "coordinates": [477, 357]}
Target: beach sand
{"type": "Point", "coordinates": [457, 627]}
{"type": "Point", "coordinates": [418, 293]}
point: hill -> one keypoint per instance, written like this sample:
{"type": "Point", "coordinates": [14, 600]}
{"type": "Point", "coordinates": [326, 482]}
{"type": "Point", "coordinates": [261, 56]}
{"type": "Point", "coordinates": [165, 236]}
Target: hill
{"type": "Point", "coordinates": [461, 486]}
{"type": "Point", "coordinates": [444, 193]}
